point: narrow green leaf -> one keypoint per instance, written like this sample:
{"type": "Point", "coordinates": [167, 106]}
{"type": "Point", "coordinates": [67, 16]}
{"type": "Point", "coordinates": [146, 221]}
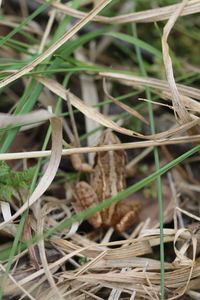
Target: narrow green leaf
{"type": "Point", "coordinates": [137, 42]}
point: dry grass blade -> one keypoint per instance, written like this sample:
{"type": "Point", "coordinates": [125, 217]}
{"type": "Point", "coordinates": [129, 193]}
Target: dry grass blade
{"type": "Point", "coordinates": [27, 236]}
{"type": "Point", "coordinates": [74, 29]}
{"type": "Point", "coordinates": [27, 28]}
{"type": "Point", "coordinates": [90, 97]}
{"type": "Point", "coordinates": [147, 16]}
{"type": "Point", "coordinates": [44, 261]}
{"type": "Point", "coordinates": [24, 291]}
{"type": "Point", "coordinates": [134, 145]}
{"type": "Point", "coordinates": [179, 108]}
{"type": "Point", "coordinates": [123, 105]}
{"type": "Point", "coordinates": [189, 103]}
{"type": "Point", "coordinates": [50, 172]}
{"type": "Point", "coordinates": [53, 267]}
{"type": "Point", "coordinates": [140, 82]}
{"type": "Point", "coordinates": [134, 279]}
{"type": "Point", "coordinates": [59, 90]}
{"type": "Point", "coordinates": [32, 117]}
{"type": "Point", "coordinates": [188, 214]}
{"type": "Point", "coordinates": [133, 262]}
{"type": "Point", "coordinates": [136, 249]}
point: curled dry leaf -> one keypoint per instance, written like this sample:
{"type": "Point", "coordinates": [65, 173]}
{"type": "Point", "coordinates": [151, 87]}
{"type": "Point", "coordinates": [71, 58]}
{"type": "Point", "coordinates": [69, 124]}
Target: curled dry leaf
{"type": "Point", "coordinates": [179, 109]}
{"type": "Point", "coordinates": [51, 170]}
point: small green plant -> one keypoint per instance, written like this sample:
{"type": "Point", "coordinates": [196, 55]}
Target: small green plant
{"type": "Point", "coordinates": [10, 180]}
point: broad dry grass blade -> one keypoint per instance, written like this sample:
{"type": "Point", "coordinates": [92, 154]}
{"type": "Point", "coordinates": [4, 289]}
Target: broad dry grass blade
{"type": "Point", "coordinates": [59, 90]}
{"type": "Point", "coordinates": [51, 170]}
{"type": "Point", "coordinates": [32, 117]}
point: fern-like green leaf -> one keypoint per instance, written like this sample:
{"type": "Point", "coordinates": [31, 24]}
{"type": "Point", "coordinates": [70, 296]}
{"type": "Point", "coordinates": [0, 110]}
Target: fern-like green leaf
{"type": "Point", "coordinates": [10, 180]}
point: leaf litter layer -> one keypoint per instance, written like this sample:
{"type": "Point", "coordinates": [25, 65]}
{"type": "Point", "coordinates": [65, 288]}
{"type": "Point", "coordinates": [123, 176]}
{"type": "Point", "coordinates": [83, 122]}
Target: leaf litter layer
{"type": "Point", "coordinates": [45, 251]}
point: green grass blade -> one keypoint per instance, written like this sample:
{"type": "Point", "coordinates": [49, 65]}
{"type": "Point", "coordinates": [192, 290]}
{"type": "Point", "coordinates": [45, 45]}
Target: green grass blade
{"type": "Point", "coordinates": [26, 21]}
{"type": "Point", "coordinates": [137, 42]}
{"type": "Point", "coordinates": [12, 253]}
{"type": "Point", "coordinates": [157, 165]}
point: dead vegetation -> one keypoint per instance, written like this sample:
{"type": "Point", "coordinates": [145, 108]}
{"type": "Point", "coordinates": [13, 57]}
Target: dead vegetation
{"type": "Point", "coordinates": [72, 71]}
